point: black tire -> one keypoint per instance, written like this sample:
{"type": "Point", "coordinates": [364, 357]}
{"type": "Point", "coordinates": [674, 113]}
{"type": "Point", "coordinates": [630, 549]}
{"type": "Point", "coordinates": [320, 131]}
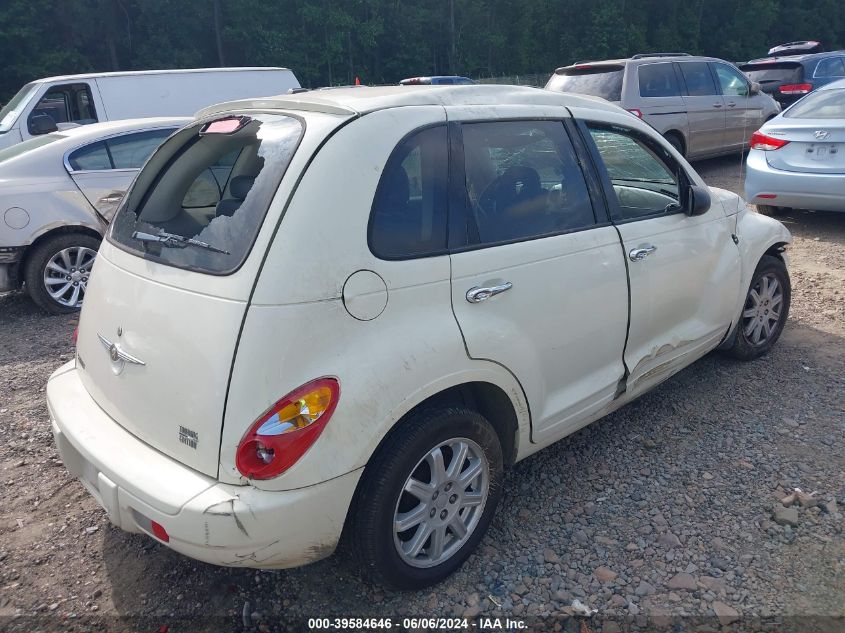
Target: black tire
{"type": "Point", "coordinates": [37, 262]}
{"type": "Point", "coordinates": [370, 534]}
{"type": "Point", "coordinates": [767, 209]}
{"type": "Point", "coordinates": [676, 141]}
{"type": "Point", "coordinates": [744, 347]}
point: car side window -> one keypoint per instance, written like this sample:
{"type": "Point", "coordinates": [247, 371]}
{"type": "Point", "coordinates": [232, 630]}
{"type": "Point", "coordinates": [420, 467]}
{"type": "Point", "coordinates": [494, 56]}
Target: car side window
{"type": "Point", "coordinates": [658, 80]}
{"type": "Point", "coordinates": [645, 180]}
{"type": "Point", "coordinates": [731, 81]}
{"type": "Point", "coordinates": [131, 151]}
{"type": "Point", "coordinates": [68, 103]}
{"type": "Point", "coordinates": [91, 157]}
{"type": "Point", "coordinates": [522, 181]}
{"type": "Point", "coordinates": [698, 79]}
{"type": "Point", "coordinates": [408, 217]}
{"type": "Point", "coordinates": [830, 67]}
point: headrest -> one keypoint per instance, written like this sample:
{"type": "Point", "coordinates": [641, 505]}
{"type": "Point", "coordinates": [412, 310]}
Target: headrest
{"type": "Point", "coordinates": [239, 186]}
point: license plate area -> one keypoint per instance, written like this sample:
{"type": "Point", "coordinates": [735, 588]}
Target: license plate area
{"type": "Point", "coordinates": [822, 152]}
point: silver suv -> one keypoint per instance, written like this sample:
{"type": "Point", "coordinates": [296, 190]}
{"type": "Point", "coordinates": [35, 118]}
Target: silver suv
{"type": "Point", "coordinates": [703, 106]}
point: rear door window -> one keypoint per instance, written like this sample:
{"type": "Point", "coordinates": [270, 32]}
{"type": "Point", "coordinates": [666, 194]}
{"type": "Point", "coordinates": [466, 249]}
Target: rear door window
{"type": "Point", "coordinates": [831, 67]}
{"type": "Point", "coordinates": [188, 209]}
{"type": "Point", "coordinates": [698, 79]}
{"type": "Point", "coordinates": [658, 80]}
{"type": "Point", "coordinates": [408, 217]}
{"type": "Point", "coordinates": [597, 81]}
{"type": "Point", "coordinates": [127, 151]}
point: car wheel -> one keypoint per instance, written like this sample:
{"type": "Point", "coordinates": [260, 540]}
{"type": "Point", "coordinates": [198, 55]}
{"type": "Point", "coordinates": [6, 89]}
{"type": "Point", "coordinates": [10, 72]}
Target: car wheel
{"type": "Point", "coordinates": [56, 272]}
{"type": "Point", "coordinates": [765, 310]}
{"type": "Point", "coordinates": [767, 209]}
{"type": "Point", "coordinates": [676, 141]}
{"type": "Point", "coordinates": [426, 498]}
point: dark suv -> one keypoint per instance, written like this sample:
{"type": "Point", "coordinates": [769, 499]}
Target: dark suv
{"type": "Point", "coordinates": [788, 76]}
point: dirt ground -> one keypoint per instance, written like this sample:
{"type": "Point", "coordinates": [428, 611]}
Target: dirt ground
{"type": "Point", "coordinates": [679, 485]}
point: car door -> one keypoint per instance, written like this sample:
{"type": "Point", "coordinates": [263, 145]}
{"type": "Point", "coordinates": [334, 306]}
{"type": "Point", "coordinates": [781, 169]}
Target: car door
{"type": "Point", "coordinates": [705, 109]}
{"type": "Point", "coordinates": [538, 280]}
{"type": "Point", "coordinates": [684, 271]}
{"type": "Point", "coordinates": [103, 170]}
{"type": "Point", "coordinates": [743, 111]}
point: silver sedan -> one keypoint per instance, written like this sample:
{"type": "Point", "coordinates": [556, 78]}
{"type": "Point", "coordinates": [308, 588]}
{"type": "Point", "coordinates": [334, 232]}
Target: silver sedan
{"type": "Point", "coordinates": [57, 194]}
{"type": "Point", "coordinates": [797, 160]}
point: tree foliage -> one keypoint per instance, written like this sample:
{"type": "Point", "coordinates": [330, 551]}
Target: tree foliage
{"type": "Point", "coordinates": [330, 42]}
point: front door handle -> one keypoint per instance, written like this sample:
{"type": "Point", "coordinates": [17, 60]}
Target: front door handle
{"type": "Point", "coordinates": [639, 254]}
{"type": "Point", "coordinates": [477, 294]}
{"type": "Point", "coordinates": [717, 105]}
{"type": "Point", "coordinates": [731, 105]}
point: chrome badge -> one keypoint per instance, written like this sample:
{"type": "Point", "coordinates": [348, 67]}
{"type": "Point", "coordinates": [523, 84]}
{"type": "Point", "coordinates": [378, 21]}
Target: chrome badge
{"type": "Point", "coordinates": [118, 357]}
{"type": "Point", "coordinates": [821, 134]}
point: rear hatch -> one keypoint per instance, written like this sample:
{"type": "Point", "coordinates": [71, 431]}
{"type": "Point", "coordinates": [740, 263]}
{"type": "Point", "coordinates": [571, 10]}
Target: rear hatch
{"type": "Point", "coordinates": [815, 129]}
{"type": "Point", "coordinates": [771, 75]}
{"type": "Point", "coordinates": [169, 290]}
{"type": "Point", "coordinates": [594, 79]}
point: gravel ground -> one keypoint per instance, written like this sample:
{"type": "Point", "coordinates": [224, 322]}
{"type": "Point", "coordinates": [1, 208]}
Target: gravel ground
{"type": "Point", "coordinates": [664, 514]}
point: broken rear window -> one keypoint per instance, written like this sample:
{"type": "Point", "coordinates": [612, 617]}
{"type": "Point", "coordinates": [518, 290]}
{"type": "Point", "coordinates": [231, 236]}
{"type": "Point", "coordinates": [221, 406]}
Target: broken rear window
{"type": "Point", "coordinates": [201, 199]}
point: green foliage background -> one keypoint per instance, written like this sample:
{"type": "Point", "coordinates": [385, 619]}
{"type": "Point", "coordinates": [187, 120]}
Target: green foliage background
{"type": "Point", "coordinates": [329, 42]}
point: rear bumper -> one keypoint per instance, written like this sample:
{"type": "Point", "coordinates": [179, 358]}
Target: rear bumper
{"type": "Point", "coordinates": [823, 192]}
{"type": "Point", "coordinates": [238, 526]}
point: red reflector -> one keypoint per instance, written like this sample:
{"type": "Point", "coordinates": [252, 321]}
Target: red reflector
{"type": "Point", "coordinates": [795, 89]}
{"type": "Point", "coordinates": [159, 531]}
{"type": "Point", "coordinates": [766, 143]}
{"type": "Point", "coordinates": [636, 113]}
{"type": "Point", "coordinates": [225, 126]}
{"type": "Point", "coordinates": [768, 196]}
{"type": "Point", "coordinates": [75, 336]}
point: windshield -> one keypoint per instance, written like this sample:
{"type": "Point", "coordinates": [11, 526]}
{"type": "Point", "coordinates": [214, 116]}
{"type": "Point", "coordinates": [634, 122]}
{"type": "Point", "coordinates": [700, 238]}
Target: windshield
{"type": "Point", "coordinates": [20, 148]}
{"type": "Point", "coordinates": [824, 104]}
{"type": "Point", "coordinates": [201, 198]}
{"type": "Point", "coordinates": [605, 82]}
{"type": "Point", "coordinates": [9, 113]}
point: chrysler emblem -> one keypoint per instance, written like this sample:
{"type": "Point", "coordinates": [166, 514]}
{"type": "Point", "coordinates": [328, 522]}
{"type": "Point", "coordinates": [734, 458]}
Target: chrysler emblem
{"type": "Point", "coordinates": [116, 354]}
{"type": "Point", "coordinates": [821, 134]}
{"type": "Point", "coordinates": [113, 353]}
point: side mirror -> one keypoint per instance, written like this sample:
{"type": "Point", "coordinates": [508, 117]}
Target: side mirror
{"type": "Point", "coordinates": [698, 200]}
{"type": "Point", "coordinates": [755, 88]}
{"type": "Point", "coordinates": [42, 124]}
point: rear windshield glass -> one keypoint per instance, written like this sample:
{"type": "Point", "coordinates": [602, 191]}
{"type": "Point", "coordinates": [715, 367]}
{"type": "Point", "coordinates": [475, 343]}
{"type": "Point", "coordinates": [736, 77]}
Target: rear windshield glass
{"type": "Point", "coordinates": [773, 73]}
{"type": "Point", "coordinates": [824, 104]}
{"type": "Point", "coordinates": [605, 82]}
{"type": "Point", "coordinates": [202, 197]}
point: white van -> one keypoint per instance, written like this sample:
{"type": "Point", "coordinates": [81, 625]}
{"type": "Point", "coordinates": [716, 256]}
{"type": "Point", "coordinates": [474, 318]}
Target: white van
{"type": "Point", "coordinates": [45, 105]}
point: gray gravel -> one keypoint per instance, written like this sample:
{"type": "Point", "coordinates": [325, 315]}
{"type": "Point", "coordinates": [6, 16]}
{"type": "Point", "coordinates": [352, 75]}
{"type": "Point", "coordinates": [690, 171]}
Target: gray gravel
{"type": "Point", "coordinates": [667, 511]}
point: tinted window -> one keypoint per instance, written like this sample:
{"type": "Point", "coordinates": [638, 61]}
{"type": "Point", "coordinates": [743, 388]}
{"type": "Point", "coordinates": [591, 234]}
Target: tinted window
{"type": "Point", "coordinates": [522, 181]}
{"type": "Point", "coordinates": [598, 81]}
{"type": "Point", "coordinates": [93, 156]}
{"type": "Point", "coordinates": [774, 73]}
{"type": "Point", "coordinates": [643, 182]}
{"type": "Point", "coordinates": [408, 218]}
{"type": "Point", "coordinates": [69, 103]}
{"type": "Point", "coordinates": [832, 67]}
{"type": "Point", "coordinates": [131, 151]}
{"type": "Point", "coordinates": [658, 80]}
{"type": "Point", "coordinates": [732, 82]}
{"type": "Point", "coordinates": [823, 104]}
{"type": "Point", "coordinates": [177, 193]}
{"type": "Point", "coordinates": [698, 79]}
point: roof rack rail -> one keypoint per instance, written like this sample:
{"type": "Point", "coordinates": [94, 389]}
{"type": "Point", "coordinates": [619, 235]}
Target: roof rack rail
{"type": "Point", "coordinates": [644, 55]}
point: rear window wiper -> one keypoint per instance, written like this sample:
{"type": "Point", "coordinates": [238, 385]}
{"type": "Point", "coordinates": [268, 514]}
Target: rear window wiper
{"type": "Point", "coordinates": [172, 240]}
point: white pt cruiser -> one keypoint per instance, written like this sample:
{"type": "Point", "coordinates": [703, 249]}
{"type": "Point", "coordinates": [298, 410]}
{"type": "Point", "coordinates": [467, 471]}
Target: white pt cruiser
{"type": "Point", "coordinates": [347, 311]}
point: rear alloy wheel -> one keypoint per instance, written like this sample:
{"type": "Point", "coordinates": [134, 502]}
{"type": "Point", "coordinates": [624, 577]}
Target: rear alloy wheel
{"type": "Point", "coordinates": [57, 272]}
{"type": "Point", "coordinates": [426, 498]}
{"type": "Point", "coordinates": [765, 311]}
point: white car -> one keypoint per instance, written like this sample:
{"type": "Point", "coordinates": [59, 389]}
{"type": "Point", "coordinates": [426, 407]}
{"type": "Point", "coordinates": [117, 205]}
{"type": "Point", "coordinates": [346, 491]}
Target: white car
{"type": "Point", "coordinates": [797, 160]}
{"type": "Point", "coordinates": [57, 194]}
{"type": "Point", "coordinates": [402, 292]}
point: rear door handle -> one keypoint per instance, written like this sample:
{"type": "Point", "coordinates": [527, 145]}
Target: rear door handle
{"type": "Point", "coordinates": [717, 105]}
{"type": "Point", "coordinates": [478, 294]}
{"type": "Point", "coordinates": [731, 105]}
{"type": "Point", "coordinates": [639, 254]}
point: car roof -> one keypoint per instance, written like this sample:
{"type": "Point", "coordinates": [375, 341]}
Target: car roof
{"type": "Point", "coordinates": [639, 60]}
{"type": "Point", "coordinates": [364, 99]}
{"type": "Point", "coordinates": [802, 57]}
{"type": "Point", "coordinates": [94, 131]}
{"type": "Point", "coordinates": [135, 73]}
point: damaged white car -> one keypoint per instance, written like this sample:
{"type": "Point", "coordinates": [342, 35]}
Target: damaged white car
{"type": "Point", "coordinates": [400, 293]}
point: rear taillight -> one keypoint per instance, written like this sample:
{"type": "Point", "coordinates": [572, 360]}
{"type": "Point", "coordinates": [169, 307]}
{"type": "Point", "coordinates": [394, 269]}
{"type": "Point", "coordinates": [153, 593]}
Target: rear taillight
{"type": "Point", "coordinates": [795, 89]}
{"type": "Point", "coordinates": [636, 113]}
{"type": "Point", "coordinates": [766, 143]}
{"type": "Point", "coordinates": [287, 429]}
